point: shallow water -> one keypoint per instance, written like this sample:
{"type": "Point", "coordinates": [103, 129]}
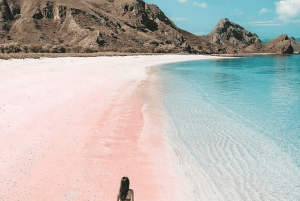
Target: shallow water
{"type": "Point", "coordinates": [235, 126]}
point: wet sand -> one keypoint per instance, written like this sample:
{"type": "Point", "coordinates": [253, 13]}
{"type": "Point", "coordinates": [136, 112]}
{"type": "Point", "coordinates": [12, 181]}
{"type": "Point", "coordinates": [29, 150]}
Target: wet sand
{"type": "Point", "coordinates": [70, 128]}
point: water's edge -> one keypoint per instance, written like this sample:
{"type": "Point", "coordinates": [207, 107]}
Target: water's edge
{"type": "Point", "coordinates": [224, 154]}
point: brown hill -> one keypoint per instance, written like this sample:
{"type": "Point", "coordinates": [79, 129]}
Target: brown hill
{"type": "Point", "coordinates": [234, 37]}
{"type": "Point", "coordinates": [230, 38]}
{"type": "Point", "coordinates": [200, 44]}
{"type": "Point", "coordinates": [88, 25]}
{"type": "Point", "coordinates": [280, 45]}
{"type": "Point", "coordinates": [231, 34]}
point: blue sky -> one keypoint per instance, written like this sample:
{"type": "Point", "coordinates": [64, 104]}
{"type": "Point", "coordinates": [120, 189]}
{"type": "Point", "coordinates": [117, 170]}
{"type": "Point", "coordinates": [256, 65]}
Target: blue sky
{"type": "Point", "coordinates": [267, 18]}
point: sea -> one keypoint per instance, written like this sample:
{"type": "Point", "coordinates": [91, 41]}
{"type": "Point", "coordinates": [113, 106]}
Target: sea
{"type": "Point", "coordinates": [234, 124]}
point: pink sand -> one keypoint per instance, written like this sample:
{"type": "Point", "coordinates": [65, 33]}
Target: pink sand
{"type": "Point", "coordinates": [70, 128]}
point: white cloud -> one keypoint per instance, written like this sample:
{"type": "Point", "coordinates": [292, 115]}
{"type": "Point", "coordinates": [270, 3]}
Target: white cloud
{"type": "Point", "coordinates": [182, 1]}
{"type": "Point", "coordinates": [264, 10]}
{"type": "Point", "coordinates": [265, 23]}
{"type": "Point", "coordinates": [178, 19]}
{"type": "Point", "coordinates": [201, 5]}
{"type": "Point", "coordinates": [288, 10]}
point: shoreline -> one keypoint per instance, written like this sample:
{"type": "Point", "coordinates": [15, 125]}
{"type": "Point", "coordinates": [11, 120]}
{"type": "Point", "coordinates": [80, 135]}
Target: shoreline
{"type": "Point", "coordinates": [116, 54]}
{"type": "Point", "coordinates": [67, 55]}
{"type": "Point", "coordinates": [252, 54]}
{"type": "Point", "coordinates": [79, 124]}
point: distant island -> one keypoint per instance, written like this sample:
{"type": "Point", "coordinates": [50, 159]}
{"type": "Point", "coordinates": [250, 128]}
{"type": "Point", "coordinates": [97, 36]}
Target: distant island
{"type": "Point", "coordinates": [126, 26]}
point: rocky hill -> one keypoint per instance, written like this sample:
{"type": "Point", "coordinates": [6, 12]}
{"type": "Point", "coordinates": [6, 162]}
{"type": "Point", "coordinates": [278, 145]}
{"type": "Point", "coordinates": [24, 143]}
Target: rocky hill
{"type": "Point", "coordinates": [87, 25]}
{"type": "Point", "coordinates": [229, 33]}
{"type": "Point", "coordinates": [59, 26]}
{"type": "Point", "coordinates": [280, 45]}
{"type": "Point", "coordinates": [233, 36]}
{"type": "Point", "coordinates": [201, 45]}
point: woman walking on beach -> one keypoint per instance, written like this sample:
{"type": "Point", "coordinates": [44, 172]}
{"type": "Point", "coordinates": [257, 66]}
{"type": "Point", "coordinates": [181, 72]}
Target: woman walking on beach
{"type": "Point", "coordinates": [125, 194]}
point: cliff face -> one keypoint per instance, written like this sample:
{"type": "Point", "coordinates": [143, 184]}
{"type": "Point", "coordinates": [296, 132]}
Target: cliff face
{"type": "Point", "coordinates": [107, 25]}
{"type": "Point", "coordinates": [5, 12]}
{"type": "Point", "coordinates": [229, 33]}
{"type": "Point", "coordinates": [295, 44]}
{"type": "Point", "coordinates": [5, 17]}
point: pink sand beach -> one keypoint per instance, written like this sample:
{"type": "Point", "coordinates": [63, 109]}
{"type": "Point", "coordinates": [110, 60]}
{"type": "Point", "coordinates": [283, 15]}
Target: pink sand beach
{"type": "Point", "coordinates": [71, 128]}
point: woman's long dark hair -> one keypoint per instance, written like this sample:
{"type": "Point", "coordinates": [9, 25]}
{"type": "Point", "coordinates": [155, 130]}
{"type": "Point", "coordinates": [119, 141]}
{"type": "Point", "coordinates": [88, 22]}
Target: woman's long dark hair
{"type": "Point", "coordinates": [124, 187]}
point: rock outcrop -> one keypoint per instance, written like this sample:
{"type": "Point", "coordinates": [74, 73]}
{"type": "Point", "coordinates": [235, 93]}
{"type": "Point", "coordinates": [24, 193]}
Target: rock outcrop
{"type": "Point", "coordinates": [280, 45]}
{"type": "Point", "coordinates": [5, 12]}
{"type": "Point", "coordinates": [5, 17]}
{"type": "Point", "coordinates": [202, 45]}
{"type": "Point", "coordinates": [229, 33]}
{"type": "Point", "coordinates": [295, 44]}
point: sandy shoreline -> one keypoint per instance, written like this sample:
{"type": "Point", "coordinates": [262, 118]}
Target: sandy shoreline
{"type": "Point", "coordinates": [70, 128]}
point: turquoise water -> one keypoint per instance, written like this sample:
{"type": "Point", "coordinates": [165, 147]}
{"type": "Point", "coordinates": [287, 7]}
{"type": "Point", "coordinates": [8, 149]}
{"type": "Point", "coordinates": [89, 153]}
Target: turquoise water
{"type": "Point", "coordinates": [235, 126]}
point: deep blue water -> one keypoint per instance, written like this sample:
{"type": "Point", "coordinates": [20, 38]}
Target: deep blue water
{"type": "Point", "coordinates": [239, 119]}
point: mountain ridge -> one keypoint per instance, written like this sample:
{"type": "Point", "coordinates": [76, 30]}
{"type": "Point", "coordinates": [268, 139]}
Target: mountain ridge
{"type": "Point", "coordinates": [57, 26]}
{"type": "Point", "coordinates": [130, 25]}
